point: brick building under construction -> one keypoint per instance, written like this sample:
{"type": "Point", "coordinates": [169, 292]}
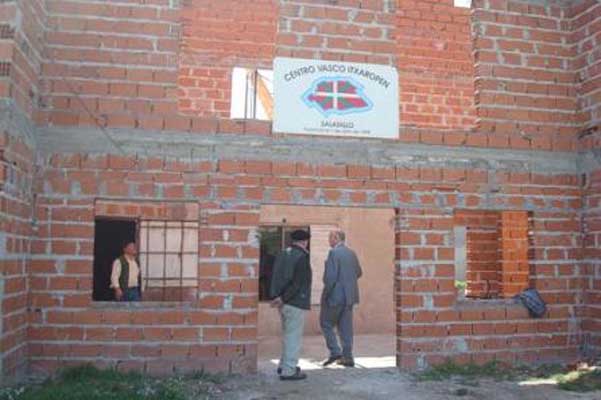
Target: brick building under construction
{"type": "Point", "coordinates": [152, 120]}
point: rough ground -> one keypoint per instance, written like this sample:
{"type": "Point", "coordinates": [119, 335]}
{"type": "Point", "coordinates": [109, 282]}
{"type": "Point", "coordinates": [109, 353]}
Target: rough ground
{"type": "Point", "coordinates": [385, 384]}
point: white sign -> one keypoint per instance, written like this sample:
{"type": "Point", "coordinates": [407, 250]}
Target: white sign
{"type": "Point", "coordinates": [335, 98]}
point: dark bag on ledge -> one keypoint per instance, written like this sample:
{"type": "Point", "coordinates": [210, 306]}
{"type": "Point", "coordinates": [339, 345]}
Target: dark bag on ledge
{"type": "Point", "coordinates": [531, 299]}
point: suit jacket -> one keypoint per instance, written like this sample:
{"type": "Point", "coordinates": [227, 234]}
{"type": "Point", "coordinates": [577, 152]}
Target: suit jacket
{"type": "Point", "coordinates": [342, 270]}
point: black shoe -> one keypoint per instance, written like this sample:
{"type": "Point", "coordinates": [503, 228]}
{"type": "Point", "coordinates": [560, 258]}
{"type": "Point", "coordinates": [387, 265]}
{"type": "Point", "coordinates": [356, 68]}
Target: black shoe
{"type": "Point", "coordinates": [299, 376]}
{"type": "Point", "coordinates": [279, 370]}
{"type": "Point", "coordinates": [331, 360]}
{"type": "Point", "coordinates": [346, 362]}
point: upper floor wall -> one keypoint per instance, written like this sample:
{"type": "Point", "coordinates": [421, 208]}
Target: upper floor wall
{"type": "Point", "coordinates": [504, 74]}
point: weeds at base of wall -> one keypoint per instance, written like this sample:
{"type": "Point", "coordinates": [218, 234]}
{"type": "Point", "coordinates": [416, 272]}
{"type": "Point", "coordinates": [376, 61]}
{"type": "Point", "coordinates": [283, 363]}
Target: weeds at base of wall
{"type": "Point", "coordinates": [90, 383]}
{"type": "Point", "coordinates": [581, 378]}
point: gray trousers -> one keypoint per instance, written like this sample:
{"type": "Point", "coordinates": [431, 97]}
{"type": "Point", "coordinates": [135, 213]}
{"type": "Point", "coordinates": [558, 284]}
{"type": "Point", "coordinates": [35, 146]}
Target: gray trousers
{"type": "Point", "coordinates": [293, 321]}
{"type": "Point", "coordinates": [341, 318]}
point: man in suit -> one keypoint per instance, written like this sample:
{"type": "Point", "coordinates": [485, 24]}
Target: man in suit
{"type": "Point", "coordinates": [291, 293]}
{"type": "Point", "coordinates": [340, 294]}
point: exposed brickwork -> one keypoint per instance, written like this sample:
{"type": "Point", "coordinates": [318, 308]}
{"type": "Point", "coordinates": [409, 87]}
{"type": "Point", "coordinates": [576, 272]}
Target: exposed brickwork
{"type": "Point", "coordinates": [217, 36]}
{"type": "Point", "coordinates": [27, 55]}
{"type": "Point", "coordinates": [483, 250]}
{"type": "Point", "coordinates": [121, 63]}
{"type": "Point", "coordinates": [228, 261]}
{"type": "Point", "coordinates": [585, 29]}
{"type": "Point", "coordinates": [214, 330]}
{"type": "Point", "coordinates": [352, 31]}
{"type": "Point", "coordinates": [592, 265]}
{"type": "Point", "coordinates": [434, 325]}
{"type": "Point", "coordinates": [525, 86]}
{"type": "Point", "coordinates": [16, 177]}
{"type": "Point", "coordinates": [111, 63]}
{"type": "Point", "coordinates": [436, 68]}
{"type": "Point", "coordinates": [514, 246]}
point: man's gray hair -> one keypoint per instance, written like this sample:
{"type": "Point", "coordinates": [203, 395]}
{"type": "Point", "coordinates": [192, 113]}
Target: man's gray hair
{"type": "Point", "coordinates": [340, 235]}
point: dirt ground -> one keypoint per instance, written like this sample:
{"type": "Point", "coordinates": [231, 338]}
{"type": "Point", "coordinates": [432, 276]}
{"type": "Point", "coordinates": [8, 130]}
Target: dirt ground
{"type": "Point", "coordinates": [375, 378]}
{"type": "Point", "coordinates": [388, 383]}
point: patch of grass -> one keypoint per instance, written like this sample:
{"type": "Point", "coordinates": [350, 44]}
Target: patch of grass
{"type": "Point", "coordinates": [90, 383]}
{"type": "Point", "coordinates": [449, 369]}
{"type": "Point", "coordinates": [583, 380]}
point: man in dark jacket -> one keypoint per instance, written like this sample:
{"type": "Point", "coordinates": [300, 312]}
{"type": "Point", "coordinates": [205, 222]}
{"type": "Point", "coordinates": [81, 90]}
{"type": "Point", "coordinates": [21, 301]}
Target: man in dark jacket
{"type": "Point", "coordinates": [340, 294]}
{"type": "Point", "coordinates": [291, 293]}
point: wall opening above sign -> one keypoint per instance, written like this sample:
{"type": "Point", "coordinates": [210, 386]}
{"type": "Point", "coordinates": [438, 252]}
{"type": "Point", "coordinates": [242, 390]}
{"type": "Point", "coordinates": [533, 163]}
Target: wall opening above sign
{"type": "Point", "coordinates": [335, 98]}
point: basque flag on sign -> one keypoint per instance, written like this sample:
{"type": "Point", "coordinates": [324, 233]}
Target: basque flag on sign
{"type": "Point", "coordinates": [337, 95]}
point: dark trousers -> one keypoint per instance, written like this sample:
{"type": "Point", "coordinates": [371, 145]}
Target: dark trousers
{"type": "Point", "coordinates": [132, 294]}
{"type": "Point", "coordinates": [339, 318]}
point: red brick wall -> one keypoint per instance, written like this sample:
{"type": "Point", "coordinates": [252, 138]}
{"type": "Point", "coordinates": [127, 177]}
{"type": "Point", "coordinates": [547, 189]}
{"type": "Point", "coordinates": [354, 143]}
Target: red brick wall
{"type": "Point", "coordinates": [482, 252]}
{"type": "Point", "coordinates": [515, 242]}
{"type": "Point", "coordinates": [435, 63]}
{"type": "Point", "coordinates": [221, 323]}
{"type": "Point", "coordinates": [585, 28]}
{"type": "Point", "coordinates": [16, 180]}
{"type": "Point", "coordinates": [525, 86]}
{"type": "Point", "coordinates": [433, 324]}
{"type": "Point", "coordinates": [8, 12]}
{"type": "Point", "coordinates": [217, 36]}
{"type": "Point", "coordinates": [352, 31]}
{"type": "Point", "coordinates": [591, 261]}
{"type": "Point", "coordinates": [21, 45]}
{"type": "Point", "coordinates": [215, 330]}
{"type": "Point", "coordinates": [111, 63]}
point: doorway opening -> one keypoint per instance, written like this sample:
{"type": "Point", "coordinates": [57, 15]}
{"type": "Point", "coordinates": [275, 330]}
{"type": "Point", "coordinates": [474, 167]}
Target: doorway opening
{"type": "Point", "coordinates": [370, 233]}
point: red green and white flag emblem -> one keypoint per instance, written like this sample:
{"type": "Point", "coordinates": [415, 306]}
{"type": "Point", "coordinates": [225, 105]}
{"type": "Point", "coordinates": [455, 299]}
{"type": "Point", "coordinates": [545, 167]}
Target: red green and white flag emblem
{"type": "Point", "coordinates": [337, 96]}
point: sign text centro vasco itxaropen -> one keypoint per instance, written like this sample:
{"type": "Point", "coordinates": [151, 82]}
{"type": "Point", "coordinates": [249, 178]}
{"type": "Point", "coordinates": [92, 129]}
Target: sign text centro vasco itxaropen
{"type": "Point", "coordinates": [335, 98]}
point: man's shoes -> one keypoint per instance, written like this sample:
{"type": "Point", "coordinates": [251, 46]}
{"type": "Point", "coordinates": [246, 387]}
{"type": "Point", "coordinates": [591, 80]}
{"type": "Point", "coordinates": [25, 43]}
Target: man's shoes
{"type": "Point", "coordinates": [279, 370]}
{"type": "Point", "coordinates": [298, 376]}
{"type": "Point", "coordinates": [346, 362]}
{"type": "Point", "coordinates": [331, 360]}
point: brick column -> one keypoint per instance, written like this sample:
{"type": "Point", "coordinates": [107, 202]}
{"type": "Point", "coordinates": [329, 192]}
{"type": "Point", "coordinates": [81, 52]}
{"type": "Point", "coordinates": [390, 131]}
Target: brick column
{"type": "Point", "coordinates": [514, 239]}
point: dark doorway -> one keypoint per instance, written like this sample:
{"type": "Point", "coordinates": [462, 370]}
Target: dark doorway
{"type": "Point", "coordinates": [109, 237]}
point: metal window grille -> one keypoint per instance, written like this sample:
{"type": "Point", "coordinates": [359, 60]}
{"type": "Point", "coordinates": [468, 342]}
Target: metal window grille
{"type": "Point", "coordinates": [168, 255]}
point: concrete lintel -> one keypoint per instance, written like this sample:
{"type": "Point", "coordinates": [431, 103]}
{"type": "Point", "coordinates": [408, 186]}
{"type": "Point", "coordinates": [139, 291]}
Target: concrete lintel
{"type": "Point", "coordinates": [310, 149]}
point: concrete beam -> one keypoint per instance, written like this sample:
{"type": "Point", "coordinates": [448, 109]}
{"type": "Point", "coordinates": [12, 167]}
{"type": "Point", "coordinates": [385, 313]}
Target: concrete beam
{"type": "Point", "coordinates": [293, 148]}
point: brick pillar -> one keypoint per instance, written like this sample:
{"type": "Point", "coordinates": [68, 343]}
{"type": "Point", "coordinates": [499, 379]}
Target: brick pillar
{"type": "Point", "coordinates": [515, 267]}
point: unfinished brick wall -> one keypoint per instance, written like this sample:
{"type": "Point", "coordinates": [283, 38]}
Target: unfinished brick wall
{"type": "Point", "coordinates": [16, 180]}
{"type": "Point", "coordinates": [214, 330]}
{"type": "Point", "coordinates": [591, 265]}
{"type": "Point", "coordinates": [8, 12]}
{"type": "Point", "coordinates": [483, 252]}
{"type": "Point", "coordinates": [585, 28]}
{"type": "Point", "coordinates": [525, 86]}
{"type": "Point", "coordinates": [116, 64]}
{"type": "Point", "coordinates": [21, 44]}
{"type": "Point", "coordinates": [111, 64]}
{"type": "Point", "coordinates": [436, 67]}
{"type": "Point", "coordinates": [216, 37]}
{"type": "Point", "coordinates": [25, 69]}
{"type": "Point", "coordinates": [67, 327]}
{"type": "Point", "coordinates": [434, 325]}
{"type": "Point", "coordinates": [515, 248]}
{"type": "Point", "coordinates": [352, 31]}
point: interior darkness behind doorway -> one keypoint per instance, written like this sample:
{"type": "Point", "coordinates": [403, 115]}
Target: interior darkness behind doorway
{"type": "Point", "coordinates": [109, 236]}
